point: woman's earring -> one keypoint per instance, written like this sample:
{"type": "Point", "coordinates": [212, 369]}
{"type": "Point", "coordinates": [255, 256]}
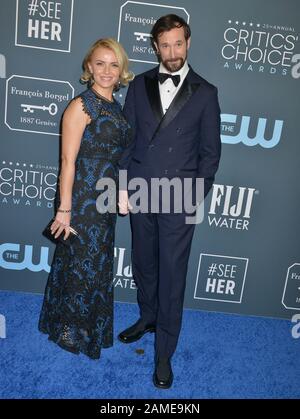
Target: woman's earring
{"type": "Point", "coordinates": [117, 86]}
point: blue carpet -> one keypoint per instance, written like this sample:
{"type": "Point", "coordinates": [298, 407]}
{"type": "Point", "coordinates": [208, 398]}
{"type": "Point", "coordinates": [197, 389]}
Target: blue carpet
{"type": "Point", "coordinates": [218, 356]}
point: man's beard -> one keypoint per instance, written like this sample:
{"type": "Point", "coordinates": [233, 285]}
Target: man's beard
{"type": "Point", "coordinates": [174, 65]}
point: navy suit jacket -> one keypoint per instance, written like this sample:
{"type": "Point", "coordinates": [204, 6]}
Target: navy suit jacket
{"type": "Point", "coordinates": [185, 142]}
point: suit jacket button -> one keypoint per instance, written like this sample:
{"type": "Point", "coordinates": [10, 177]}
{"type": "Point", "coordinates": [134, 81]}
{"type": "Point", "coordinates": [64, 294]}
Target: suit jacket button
{"type": "Point", "coordinates": [170, 149]}
{"type": "Point", "coordinates": [166, 172]}
{"type": "Point", "coordinates": [178, 130]}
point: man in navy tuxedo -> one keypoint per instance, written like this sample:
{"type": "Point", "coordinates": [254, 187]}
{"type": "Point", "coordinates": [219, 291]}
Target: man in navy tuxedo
{"type": "Point", "coordinates": [175, 117]}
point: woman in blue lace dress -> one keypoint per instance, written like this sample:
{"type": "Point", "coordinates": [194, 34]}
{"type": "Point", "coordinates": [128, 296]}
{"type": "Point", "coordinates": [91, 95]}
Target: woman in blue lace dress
{"type": "Point", "coordinates": [77, 311]}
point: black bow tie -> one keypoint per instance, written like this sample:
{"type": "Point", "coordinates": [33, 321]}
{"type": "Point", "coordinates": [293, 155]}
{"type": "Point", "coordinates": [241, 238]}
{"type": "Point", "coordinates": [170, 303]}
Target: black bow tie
{"type": "Point", "coordinates": [162, 77]}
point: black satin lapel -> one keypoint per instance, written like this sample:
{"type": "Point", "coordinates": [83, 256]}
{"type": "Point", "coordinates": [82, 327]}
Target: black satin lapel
{"type": "Point", "coordinates": [183, 95]}
{"type": "Point", "coordinates": [154, 97]}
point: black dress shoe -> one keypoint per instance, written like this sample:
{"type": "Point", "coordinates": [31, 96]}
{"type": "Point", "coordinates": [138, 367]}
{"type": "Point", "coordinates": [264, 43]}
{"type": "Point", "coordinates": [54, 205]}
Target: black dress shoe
{"type": "Point", "coordinates": [68, 347]}
{"type": "Point", "coordinates": [163, 374]}
{"type": "Point", "coordinates": [135, 332]}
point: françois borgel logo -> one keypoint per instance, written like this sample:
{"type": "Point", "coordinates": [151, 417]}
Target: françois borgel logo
{"type": "Point", "coordinates": [230, 207]}
{"type": "Point", "coordinates": [135, 24]}
{"type": "Point", "coordinates": [291, 293]}
{"type": "Point", "coordinates": [252, 131]}
{"type": "Point", "coordinates": [261, 48]}
{"type": "Point", "coordinates": [27, 184]}
{"type": "Point", "coordinates": [36, 105]}
{"type": "Point", "coordinates": [221, 278]}
{"type": "Point", "coordinates": [44, 24]}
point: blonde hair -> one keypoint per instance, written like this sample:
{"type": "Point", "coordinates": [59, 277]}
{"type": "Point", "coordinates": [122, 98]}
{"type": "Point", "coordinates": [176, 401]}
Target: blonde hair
{"type": "Point", "coordinates": [125, 75]}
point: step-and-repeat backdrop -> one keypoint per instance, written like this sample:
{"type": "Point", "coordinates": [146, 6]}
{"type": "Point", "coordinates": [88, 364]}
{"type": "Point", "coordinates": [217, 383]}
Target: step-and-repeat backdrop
{"type": "Point", "coordinates": [245, 254]}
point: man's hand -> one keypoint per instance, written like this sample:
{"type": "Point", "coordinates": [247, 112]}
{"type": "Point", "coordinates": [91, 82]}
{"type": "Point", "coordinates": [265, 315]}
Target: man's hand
{"type": "Point", "coordinates": [123, 204]}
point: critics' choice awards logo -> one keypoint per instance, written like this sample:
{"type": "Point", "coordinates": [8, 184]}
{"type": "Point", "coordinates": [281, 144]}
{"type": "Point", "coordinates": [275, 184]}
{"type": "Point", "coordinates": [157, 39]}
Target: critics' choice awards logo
{"type": "Point", "coordinates": [36, 105]}
{"type": "Point", "coordinates": [291, 293]}
{"type": "Point", "coordinates": [221, 278]}
{"type": "Point", "coordinates": [260, 48]}
{"type": "Point", "coordinates": [236, 129]}
{"type": "Point", "coordinates": [231, 206]}
{"type": "Point", "coordinates": [135, 24]}
{"type": "Point", "coordinates": [44, 24]}
{"type": "Point", "coordinates": [27, 184]}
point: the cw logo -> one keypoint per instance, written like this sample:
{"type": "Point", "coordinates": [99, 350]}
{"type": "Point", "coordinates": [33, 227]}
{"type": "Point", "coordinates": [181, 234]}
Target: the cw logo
{"type": "Point", "coordinates": [243, 136]}
{"type": "Point", "coordinates": [12, 252]}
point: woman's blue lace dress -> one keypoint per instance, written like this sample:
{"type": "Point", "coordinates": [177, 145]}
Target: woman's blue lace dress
{"type": "Point", "coordinates": [77, 311]}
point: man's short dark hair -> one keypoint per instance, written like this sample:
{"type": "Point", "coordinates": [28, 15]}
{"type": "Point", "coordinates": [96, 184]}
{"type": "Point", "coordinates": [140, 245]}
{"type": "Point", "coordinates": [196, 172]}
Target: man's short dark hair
{"type": "Point", "coordinates": [168, 22]}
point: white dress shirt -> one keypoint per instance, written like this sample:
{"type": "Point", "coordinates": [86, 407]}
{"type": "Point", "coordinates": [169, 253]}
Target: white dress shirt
{"type": "Point", "coordinates": [168, 90]}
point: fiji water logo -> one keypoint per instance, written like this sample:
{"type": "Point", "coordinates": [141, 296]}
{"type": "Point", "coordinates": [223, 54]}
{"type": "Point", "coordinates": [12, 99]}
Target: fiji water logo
{"type": "Point", "coordinates": [19, 257]}
{"type": "Point", "coordinates": [246, 135]}
{"type": "Point", "coordinates": [231, 207]}
{"type": "Point", "coordinates": [123, 277]}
